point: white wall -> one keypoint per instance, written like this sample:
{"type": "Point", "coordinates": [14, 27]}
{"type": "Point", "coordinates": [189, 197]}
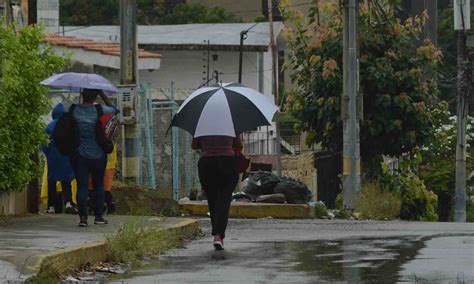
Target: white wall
{"type": "Point", "coordinates": [186, 69]}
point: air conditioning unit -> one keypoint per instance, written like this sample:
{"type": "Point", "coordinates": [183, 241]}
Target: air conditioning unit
{"type": "Point", "coordinates": [127, 101]}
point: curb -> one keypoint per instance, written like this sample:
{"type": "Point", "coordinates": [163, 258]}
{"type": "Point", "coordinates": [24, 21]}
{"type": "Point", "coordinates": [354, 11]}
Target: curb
{"type": "Point", "coordinates": [61, 261]}
{"type": "Point", "coordinates": [253, 210]}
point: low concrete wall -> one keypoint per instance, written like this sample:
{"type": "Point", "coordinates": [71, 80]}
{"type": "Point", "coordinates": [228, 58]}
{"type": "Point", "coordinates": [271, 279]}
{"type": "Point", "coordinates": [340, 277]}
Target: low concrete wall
{"type": "Point", "coordinates": [252, 210]}
{"type": "Point", "coordinates": [62, 261]}
{"type": "Point", "coordinates": [13, 203]}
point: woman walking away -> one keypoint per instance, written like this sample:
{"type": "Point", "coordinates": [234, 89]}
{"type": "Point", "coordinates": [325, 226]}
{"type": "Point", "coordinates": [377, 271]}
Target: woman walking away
{"type": "Point", "coordinates": [90, 158]}
{"type": "Point", "coordinates": [59, 169]}
{"type": "Point", "coordinates": [218, 174]}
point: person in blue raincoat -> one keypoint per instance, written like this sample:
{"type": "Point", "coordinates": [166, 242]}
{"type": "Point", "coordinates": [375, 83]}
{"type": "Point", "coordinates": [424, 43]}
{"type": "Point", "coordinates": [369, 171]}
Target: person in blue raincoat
{"type": "Point", "coordinates": [59, 169]}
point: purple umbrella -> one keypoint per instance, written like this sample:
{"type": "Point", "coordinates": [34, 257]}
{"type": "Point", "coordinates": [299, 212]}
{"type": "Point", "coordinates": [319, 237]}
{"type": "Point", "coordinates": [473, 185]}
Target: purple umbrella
{"type": "Point", "coordinates": [80, 80]}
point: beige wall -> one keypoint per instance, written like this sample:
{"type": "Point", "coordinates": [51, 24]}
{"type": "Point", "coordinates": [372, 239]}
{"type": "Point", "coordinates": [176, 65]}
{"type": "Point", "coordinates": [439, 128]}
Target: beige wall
{"type": "Point", "coordinates": [13, 203]}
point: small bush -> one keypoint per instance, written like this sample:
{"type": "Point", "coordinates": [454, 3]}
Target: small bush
{"type": "Point", "coordinates": [320, 210]}
{"type": "Point", "coordinates": [40, 279]}
{"type": "Point", "coordinates": [343, 214]}
{"type": "Point", "coordinates": [376, 203]}
{"type": "Point", "coordinates": [470, 211]}
{"type": "Point", "coordinates": [135, 239]}
{"type": "Point", "coordinates": [339, 201]}
{"type": "Point", "coordinates": [418, 203]}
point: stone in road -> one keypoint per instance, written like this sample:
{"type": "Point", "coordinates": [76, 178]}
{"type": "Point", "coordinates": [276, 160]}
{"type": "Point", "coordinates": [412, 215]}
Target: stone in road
{"type": "Point", "coordinates": [308, 251]}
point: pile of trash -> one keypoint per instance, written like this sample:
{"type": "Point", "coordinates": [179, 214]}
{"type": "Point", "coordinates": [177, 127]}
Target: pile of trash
{"type": "Point", "coordinates": [266, 187]}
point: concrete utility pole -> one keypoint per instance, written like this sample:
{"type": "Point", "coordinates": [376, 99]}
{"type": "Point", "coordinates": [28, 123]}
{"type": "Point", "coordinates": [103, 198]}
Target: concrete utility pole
{"type": "Point", "coordinates": [243, 36]}
{"type": "Point", "coordinates": [129, 76]}
{"type": "Point", "coordinates": [351, 148]}
{"type": "Point", "coordinates": [461, 23]}
{"type": "Point", "coordinates": [275, 84]}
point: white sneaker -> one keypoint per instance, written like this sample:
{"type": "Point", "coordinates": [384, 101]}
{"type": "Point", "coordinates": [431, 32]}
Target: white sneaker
{"type": "Point", "coordinates": [70, 209]}
{"type": "Point", "coordinates": [50, 210]}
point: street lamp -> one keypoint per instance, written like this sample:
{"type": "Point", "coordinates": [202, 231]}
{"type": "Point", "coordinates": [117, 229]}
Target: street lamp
{"type": "Point", "coordinates": [243, 36]}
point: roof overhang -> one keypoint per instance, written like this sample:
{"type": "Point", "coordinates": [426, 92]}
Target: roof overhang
{"type": "Point", "coordinates": [105, 60]}
{"type": "Point", "coordinates": [199, 47]}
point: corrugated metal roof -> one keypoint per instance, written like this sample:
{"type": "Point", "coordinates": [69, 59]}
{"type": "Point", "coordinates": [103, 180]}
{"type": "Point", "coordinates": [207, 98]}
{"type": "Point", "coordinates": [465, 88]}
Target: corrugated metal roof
{"type": "Point", "coordinates": [191, 34]}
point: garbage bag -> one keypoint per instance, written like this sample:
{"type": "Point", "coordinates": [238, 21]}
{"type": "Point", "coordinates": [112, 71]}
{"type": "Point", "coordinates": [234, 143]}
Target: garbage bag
{"type": "Point", "coordinates": [261, 183]}
{"type": "Point", "coordinates": [241, 197]}
{"type": "Point", "coordinates": [295, 191]}
{"type": "Point", "coordinates": [271, 198]}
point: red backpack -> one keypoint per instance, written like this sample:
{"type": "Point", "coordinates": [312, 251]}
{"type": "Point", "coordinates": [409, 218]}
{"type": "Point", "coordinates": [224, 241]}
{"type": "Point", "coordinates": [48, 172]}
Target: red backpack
{"type": "Point", "coordinates": [106, 130]}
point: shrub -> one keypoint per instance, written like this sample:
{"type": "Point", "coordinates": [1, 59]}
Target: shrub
{"type": "Point", "coordinates": [418, 203]}
{"type": "Point", "coordinates": [320, 210]}
{"type": "Point", "coordinates": [470, 211]}
{"type": "Point", "coordinates": [339, 201]}
{"type": "Point", "coordinates": [377, 203]}
{"type": "Point", "coordinates": [343, 214]}
{"type": "Point", "coordinates": [25, 62]}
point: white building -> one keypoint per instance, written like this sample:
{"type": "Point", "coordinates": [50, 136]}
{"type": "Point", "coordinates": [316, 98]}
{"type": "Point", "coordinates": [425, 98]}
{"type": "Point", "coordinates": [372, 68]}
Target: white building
{"type": "Point", "coordinates": [189, 55]}
{"type": "Point", "coordinates": [184, 50]}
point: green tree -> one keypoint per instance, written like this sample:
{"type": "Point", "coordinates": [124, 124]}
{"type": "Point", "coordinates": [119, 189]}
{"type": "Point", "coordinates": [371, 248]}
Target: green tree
{"type": "Point", "coordinates": [437, 165]}
{"type": "Point", "coordinates": [149, 12]}
{"type": "Point", "coordinates": [447, 42]}
{"type": "Point", "coordinates": [397, 80]}
{"type": "Point", "coordinates": [91, 12]}
{"type": "Point", "coordinates": [197, 13]}
{"type": "Point", "coordinates": [25, 62]}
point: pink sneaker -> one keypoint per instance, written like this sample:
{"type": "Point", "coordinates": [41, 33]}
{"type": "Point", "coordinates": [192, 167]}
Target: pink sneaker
{"type": "Point", "coordinates": [218, 243]}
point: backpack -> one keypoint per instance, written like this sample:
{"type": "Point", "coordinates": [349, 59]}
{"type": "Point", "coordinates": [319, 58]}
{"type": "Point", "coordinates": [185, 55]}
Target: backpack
{"type": "Point", "coordinates": [66, 133]}
{"type": "Point", "coordinates": [110, 123]}
{"type": "Point", "coordinates": [104, 140]}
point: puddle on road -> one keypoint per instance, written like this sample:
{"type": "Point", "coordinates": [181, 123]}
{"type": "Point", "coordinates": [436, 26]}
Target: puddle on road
{"type": "Point", "coordinates": [438, 259]}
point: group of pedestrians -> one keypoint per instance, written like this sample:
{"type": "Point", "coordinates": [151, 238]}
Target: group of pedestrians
{"type": "Point", "coordinates": [87, 162]}
{"type": "Point", "coordinates": [80, 144]}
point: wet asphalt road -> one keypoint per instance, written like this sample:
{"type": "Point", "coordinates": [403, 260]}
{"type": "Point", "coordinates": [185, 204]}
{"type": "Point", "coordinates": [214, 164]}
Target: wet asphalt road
{"type": "Point", "coordinates": [310, 251]}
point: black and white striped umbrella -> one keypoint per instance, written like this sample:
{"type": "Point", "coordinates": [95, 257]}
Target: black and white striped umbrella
{"type": "Point", "coordinates": [224, 110]}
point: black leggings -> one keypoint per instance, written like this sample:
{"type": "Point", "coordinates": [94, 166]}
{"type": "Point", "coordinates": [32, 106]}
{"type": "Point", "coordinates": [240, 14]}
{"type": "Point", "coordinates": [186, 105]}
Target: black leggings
{"type": "Point", "coordinates": [52, 194]}
{"type": "Point", "coordinates": [219, 176]}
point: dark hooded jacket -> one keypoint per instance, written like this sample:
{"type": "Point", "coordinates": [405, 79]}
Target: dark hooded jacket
{"type": "Point", "coordinates": [59, 168]}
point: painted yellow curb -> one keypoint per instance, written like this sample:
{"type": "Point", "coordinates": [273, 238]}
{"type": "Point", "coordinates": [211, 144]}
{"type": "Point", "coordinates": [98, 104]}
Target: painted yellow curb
{"type": "Point", "coordinates": [61, 261]}
{"type": "Point", "coordinates": [252, 210]}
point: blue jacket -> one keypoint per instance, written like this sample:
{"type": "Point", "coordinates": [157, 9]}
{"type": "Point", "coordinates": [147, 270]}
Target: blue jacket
{"type": "Point", "coordinates": [59, 167]}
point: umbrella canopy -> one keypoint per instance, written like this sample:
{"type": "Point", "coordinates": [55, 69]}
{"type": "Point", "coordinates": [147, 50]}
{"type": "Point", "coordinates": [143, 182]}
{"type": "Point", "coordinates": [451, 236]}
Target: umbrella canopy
{"type": "Point", "coordinates": [80, 80]}
{"type": "Point", "coordinates": [224, 110]}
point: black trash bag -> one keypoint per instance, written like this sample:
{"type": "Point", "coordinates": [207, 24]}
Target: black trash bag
{"type": "Point", "coordinates": [241, 197]}
{"type": "Point", "coordinates": [295, 191]}
{"type": "Point", "coordinates": [261, 183]}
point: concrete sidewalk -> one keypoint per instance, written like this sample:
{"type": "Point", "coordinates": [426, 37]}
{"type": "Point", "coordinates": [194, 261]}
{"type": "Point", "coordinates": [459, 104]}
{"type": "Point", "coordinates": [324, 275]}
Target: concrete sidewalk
{"type": "Point", "coordinates": [26, 243]}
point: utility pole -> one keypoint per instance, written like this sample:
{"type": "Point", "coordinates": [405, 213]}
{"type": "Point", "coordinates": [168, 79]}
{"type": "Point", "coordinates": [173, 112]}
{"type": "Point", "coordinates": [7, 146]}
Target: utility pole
{"type": "Point", "coordinates": [275, 84]}
{"type": "Point", "coordinates": [461, 24]}
{"type": "Point", "coordinates": [351, 147]}
{"type": "Point", "coordinates": [243, 36]}
{"type": "Point", "coordinates": [129, 77]}
{"type": "Point", "coordinates": [207, 62]}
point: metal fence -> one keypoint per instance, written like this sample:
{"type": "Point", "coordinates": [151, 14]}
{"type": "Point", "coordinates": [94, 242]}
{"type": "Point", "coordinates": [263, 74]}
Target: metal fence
{"type": "Point", "coordinates": [263, 141]}
{"type": "Point", "coordinates": [167, 161]}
